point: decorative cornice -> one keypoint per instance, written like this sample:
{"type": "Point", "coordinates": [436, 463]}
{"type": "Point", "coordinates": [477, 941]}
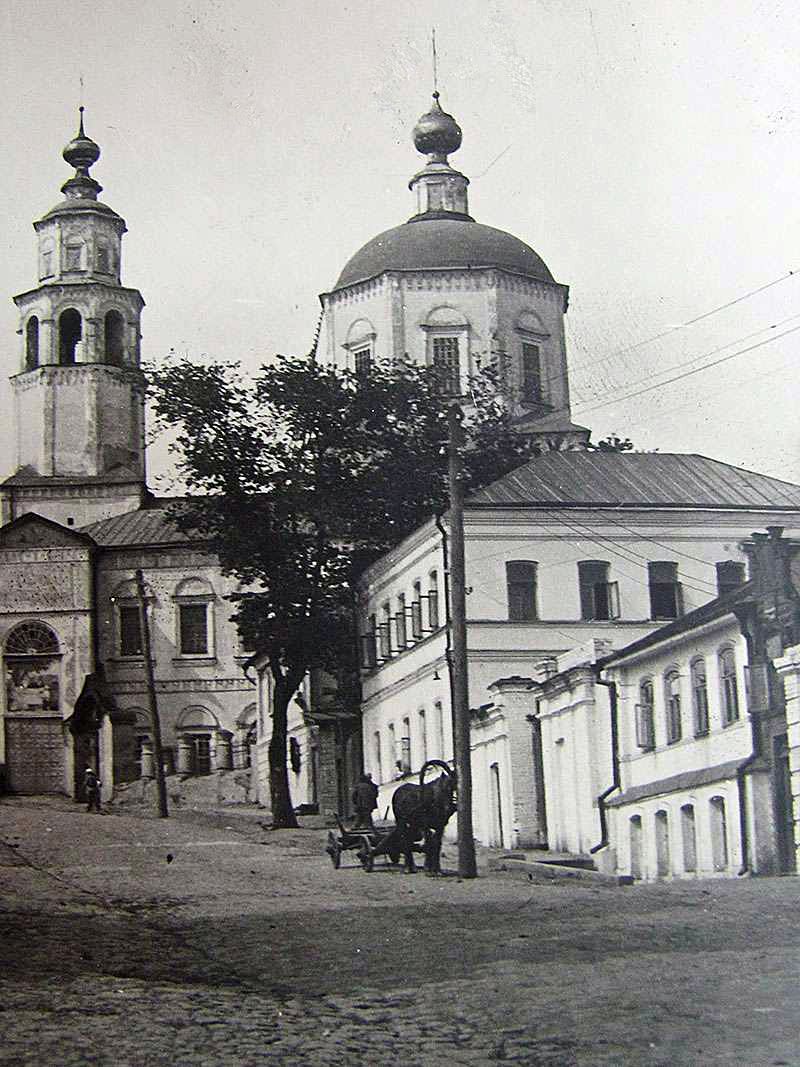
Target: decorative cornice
{"type": "Point", "coordinates": [188, 685]}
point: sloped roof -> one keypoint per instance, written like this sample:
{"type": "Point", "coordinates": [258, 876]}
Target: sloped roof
{"type": "Point", "coordinates": [150, 525]}
{"type": "Point", "coordinates": [635, 479]}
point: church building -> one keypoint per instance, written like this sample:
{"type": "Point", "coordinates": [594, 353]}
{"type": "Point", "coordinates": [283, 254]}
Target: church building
{"type": "Point", "coordinates": [77, 521]}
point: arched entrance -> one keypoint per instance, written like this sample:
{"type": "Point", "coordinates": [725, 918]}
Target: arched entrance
{"type": "Point", "coordinates": [35, 739]}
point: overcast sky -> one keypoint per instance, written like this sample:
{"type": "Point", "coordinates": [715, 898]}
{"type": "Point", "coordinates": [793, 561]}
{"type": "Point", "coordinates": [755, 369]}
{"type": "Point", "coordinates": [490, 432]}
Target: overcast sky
{"type": "Point", "coordinates": [649, 151]}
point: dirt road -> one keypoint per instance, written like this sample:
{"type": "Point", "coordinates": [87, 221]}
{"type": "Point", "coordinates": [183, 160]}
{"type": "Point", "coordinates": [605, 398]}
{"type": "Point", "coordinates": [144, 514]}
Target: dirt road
{"type": "Point", "coordinates": [135, 941]}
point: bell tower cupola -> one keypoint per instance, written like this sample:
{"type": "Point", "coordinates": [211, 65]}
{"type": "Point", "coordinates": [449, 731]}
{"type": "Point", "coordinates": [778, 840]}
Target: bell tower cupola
{"type": "Point", "coordinates": [78, 389]}
{"type": "Point", "coordinates": [441, 191]}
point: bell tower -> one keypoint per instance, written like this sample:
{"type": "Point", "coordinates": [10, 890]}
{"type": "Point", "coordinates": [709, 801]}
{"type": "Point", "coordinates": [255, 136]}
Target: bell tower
{"type": "Point", "coordinates": [78, 390]}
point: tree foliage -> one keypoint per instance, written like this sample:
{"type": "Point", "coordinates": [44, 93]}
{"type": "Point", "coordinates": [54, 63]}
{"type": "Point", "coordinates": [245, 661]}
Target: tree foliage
{"type": "Point", "coordinates": [301, 477]}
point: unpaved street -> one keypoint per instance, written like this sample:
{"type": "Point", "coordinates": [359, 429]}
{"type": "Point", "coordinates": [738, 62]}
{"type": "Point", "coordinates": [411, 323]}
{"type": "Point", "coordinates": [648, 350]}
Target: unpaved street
{"type": "Point", "coordinates": [208, 940]}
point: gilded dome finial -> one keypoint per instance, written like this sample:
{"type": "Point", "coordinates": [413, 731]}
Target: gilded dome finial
{"type": "Point", "coordinates": [436, 133]}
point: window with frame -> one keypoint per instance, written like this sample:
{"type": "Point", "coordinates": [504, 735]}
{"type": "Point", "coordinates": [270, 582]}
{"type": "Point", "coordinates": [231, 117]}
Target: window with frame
{"type": "Point", "coordinates": [193, 629]}
{"type": "Point", "coordinates": [369, 644]}
{"type": "Point", "coordinates": [672, 689]}
{"type": "Point", "coordinates": [385, 632]}
{"type": "Point", "coordinates": [729, 686]}
{"type": "Point", "coordinates": [400, 622]}
{"type": "Point", "coordinates": [665, 593]}
{"type": "Point", "coordinates": [423, 736]}
{"type": "Point", "coordinates": [73, 255]}
{"type": "Point", "coordinates": [130, 630]}
{"type": "Point", "coordinates": [599, 597]}
{"type": "Point", "coordinates": [447, 364]}
{"type": "Point", "coordinates": [645, 723]}
{"type": "Point", "coordinates": [531, 373]}
{"type": "Point", "coordinates": [404, 749]}
{"type": "Point", "coordinates": [362, 362]}
{"type": "Point", "coordinates": [699, 697]}
{"type": "Point", "coordinates": [521, 590]}
{"type": "Point", "coordinates": [433, 600]}
{"type": "Point", "coordinates": [416, 611]}
{"type": "Point", "coordinates": [101, 259]}
{"type": "Point", "coordinates": [730, 575]}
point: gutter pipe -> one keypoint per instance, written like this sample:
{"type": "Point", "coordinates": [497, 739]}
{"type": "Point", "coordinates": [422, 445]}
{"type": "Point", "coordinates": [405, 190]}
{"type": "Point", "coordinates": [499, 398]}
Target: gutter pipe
{"type": "Point", "coordinates": [615, 778]}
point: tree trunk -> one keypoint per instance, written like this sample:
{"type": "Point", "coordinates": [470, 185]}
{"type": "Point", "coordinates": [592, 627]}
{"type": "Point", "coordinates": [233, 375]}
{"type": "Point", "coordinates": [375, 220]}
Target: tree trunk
{"type": "Point", "coordinates": [283, 816]}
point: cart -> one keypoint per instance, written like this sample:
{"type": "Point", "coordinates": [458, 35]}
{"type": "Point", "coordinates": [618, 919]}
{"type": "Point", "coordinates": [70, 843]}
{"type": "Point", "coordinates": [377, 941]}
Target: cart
{"type": "Point", "coordinates": [363, 840]}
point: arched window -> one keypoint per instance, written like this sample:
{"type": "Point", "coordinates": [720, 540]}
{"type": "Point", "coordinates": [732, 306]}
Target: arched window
{"type": "Point", "coordinates": [32, 343]}
{"type": "Point", "coordinates": [32, 639]}
{"type": "Point", "coordinates": [663, 862]}
{"type": "Point", "coordinates": [636, 846]}
{"type": "Point", "coordinates": [672, 690]}
{"type": "Point", "coordinates": [699, 697]}
{"type": "Point", "coordinates": [32, 666]}
{"type": "Point", "coordinates": [730, 691]}
{"type": "Point", "coordinates": [719, 833]}
{"type": "Point", "coordinates": [70, 331]}
{"type": "Point", "coordinates": [645, 724]}
{"type": "Point", "coordinates": [689, 834]}
{"type": "Point", "coordinates": [521, 589]}
{"type": "Point", "coordinates": [115, 338]}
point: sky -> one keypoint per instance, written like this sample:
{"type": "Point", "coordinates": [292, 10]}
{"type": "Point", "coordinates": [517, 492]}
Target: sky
{"type": "Point", "coordinates": [648, 151]}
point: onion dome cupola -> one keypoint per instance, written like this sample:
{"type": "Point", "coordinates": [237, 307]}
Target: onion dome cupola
{"type": "Point", "coordinates": [440, 189]}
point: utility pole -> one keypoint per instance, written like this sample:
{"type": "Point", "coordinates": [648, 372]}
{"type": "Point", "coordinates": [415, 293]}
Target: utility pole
{"type": "Point", "coordinates": [155, 725]}
{"type": "Point", "coordinates": [459, 685]}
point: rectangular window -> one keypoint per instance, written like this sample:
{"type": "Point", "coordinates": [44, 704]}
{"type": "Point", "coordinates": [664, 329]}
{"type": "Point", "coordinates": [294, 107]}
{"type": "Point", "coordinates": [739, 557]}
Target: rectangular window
{"type": "Point", "coordinates": [531, 373]}
{"type": "Point", "coordinates": [433, 601]}
{"type": "Point", "coordinates": [130, 631]}
{"type": "Point", "coordinates": [730, 575]}
{"type": "Point", "coordinates": [599, 597]}
{"type": "Point", "coordinates": [385, 633]}
{"type": "Point", "coordinates": [645, 726]}
{"type": "Point", "coordinates": [521, 587]}
{"type": "Point", "coordinates": [423, 737]}
{"type": "Point", "coordinates": [101, 259]}
{"type": "Point", "coordinates": [665, 598]}
{"type": "Point", "coordinates": [369, 645]}
{"type": "Point", "coordinates": [202, 754]}
{"type": "Point", "coordinates": [416, 612]}
{"type": "Point", "coordinates": [404, 749]}
{"type": "Point", "coordinates": [400, 622]}
{"type": "Point", "coordinates": [674, 727]}
{"type": "Point", "coordinates": [362, 362]}
{"type": "Point", "coordinates": [447, 365]}
{"type": "Point", "coordinates": [47, 263]}
{"type": "Point", "coordinates": [193, 629]}
{"type": "Point", "coordinates": [72, 257]}
{"type": "Point", "coordinates": [699, 698]}
{"type": "Point", "coordinates": [730, 690]}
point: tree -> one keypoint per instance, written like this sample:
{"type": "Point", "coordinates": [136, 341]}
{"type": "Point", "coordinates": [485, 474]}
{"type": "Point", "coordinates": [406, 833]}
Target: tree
{"type": "Point", "coordinates": [613, 443]}
{"type": "Point", "coordinates": [302, 477]}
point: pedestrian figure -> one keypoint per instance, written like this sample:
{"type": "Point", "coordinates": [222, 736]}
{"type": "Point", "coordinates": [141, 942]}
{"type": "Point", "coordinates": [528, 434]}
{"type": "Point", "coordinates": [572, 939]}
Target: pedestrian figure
{"type": "Point", "coordinates": [91, 786]}
{"type": "Point", "coordinates": [365, 800]}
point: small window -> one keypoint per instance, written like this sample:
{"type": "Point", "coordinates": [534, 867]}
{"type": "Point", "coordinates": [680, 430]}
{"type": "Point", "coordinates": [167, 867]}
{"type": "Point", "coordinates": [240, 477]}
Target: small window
{"type": "Point", "coordinates": [130, 630]}
{"type": "Point", "coordinates": [599, 597]}
{"type": "Point", "coordinates": [47, 259]}
{"type": "Point", "coordinates": [730, 575]}
{"type": "Point", "coordinates": [447, 364]}
{"type": "Point", "coordinates": [730, 691]}
{"type": "Point", "coordinates": [531, 373]}
{"type": "Point", "coordinates": [115, 338]}
{"type": "Point", "coordinates": [521, 588]}
{"type": "Point", "coordinates": [699, 697]}
{"type": "Point", "coordinates": [400, 622]}
{"type": "Point", "coordinates": [102, 259]}
{"type": "Point", "coordinates": [416, 612]}
{"type": "Point", "coordinates": [32, 343]}
{"type": "Point", "coordinates": [404, 749]}
{"type": "Point", "coordinates": [193, 629]}
{"type": "Point", "coordinates": [385, 633]}
{"type": "Point", "coordinates": [423, 736]}
{"type": "Point", "coordinates": [73, 255]}
{"type": "Point", "coordinates": [362, 361]}
{"type": "Point", "coordinates": [665, 600]}
{"type": "Point", "coordinates": [672, 686]}
{"type": "Point", "coordinates": [645, 725]}
{"type": "Point", "coordinates": [369, 645]}
{"type": "Point", "coordinates": [433, 601]}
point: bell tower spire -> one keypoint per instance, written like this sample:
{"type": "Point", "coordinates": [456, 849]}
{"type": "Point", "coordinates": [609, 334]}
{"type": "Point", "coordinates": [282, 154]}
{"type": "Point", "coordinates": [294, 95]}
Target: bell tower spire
{"type": "Point", "coordinates": [78, 393]}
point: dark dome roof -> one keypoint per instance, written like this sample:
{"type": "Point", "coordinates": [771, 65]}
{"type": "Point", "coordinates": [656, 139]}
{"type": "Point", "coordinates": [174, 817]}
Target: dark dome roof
{"type": "Point", "coordinates": [428, 243]}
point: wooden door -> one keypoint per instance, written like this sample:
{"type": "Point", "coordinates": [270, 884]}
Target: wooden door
{"type": "Point", "coordinates": [34, 755]}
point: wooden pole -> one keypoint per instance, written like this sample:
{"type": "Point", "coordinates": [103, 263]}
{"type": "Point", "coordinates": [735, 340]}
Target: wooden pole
{"type": "Point", "coordinates": [459, 685]}
{"type": "Point", "coordinates": [155, 725]}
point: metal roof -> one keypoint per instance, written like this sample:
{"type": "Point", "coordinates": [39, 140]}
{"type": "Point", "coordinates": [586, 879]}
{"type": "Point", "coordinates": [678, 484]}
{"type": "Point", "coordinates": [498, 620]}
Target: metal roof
{"type": "Point", "coordinates": [151, 525]}
{"type": "Point", "coordinates": [635, 479]}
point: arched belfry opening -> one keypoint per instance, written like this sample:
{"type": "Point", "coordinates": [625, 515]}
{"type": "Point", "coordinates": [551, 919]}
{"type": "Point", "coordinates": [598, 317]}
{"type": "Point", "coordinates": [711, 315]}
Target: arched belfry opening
{"type": "Point", "coordinates": [115, 338]}
{"type": "Point", "coordinates": [70, 332]}
{"type": "Point", "coordinates": [32, 343]}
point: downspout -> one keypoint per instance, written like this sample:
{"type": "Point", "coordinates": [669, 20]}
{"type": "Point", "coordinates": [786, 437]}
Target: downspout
{"type": "Point", "coordinates": [615, 778]}
{"type": "Point", "coordinates": [743, 768]}
{"type": "Point", "coordinates": [446, 590]}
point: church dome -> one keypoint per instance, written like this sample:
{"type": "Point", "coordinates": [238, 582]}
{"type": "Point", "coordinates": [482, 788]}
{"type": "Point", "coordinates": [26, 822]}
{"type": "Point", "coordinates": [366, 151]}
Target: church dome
{"type": "Point", "coordinates": [430, 243]}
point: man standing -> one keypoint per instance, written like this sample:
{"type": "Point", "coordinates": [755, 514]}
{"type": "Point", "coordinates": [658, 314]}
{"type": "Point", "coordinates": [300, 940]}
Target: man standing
{"type": "Point", "coordinates": [365, 800]}
{"type": "Point", "coordinates": [91, 786]}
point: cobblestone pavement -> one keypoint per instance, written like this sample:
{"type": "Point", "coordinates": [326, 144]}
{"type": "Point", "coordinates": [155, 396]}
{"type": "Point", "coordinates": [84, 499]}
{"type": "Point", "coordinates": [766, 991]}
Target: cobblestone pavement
{"type": "Point", "coordinates": [128, 940]}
